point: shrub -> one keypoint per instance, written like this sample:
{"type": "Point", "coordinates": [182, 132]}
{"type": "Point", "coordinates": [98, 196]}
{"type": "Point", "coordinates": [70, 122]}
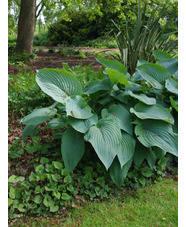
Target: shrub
{"type": "Point", "coordinates": [137, 43]}
{"type": "Point", "coordinates": [123, 119]}
{"type": "Point", "coordinates": [40, 39]}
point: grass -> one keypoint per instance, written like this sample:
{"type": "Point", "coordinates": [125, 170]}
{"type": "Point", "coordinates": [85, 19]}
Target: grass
{"type": "Point", "coordinates": [154, 205]}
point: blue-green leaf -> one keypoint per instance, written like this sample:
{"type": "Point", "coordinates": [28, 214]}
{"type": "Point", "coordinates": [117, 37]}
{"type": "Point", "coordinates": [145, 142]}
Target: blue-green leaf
{"type": "Point", "coordinates": [117, 173]}
{"type": "Point", "coordinates": [105, 137]}
{"type": "Point", "coordinates": [39, 116]}
{"type": "Point", "coordinates": [158, 112]}
{"type": "Point", "coordinates": [157, 133]}
{"type": "Point", "coordinates": [58, 84]}
{"type": "Point", "coordinates": [72, 148]}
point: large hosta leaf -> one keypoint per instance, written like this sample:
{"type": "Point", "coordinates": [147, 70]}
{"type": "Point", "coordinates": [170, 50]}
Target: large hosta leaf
{"type": "Point", "coordinates": [58, 83]}
{"type": "Point", "coordinates": [105, 137]}
{"type": "Point", "coordinates": [117, 77]}
{"type": "Point", "coordinates": [158, 112]}
{"type": "Point", "coordinates": [77, 107]}
{"type": "Point", "coordinates": [141, 153]}
{"type": "Point", "coordinates": [143, 98]}
{"type": "Point", "coordinates": [117, 173]}
{"type": "Point", "coordinates": [72, 148]}
{"type": "Point", "coordinates": [57, 123]}
{"type": "Point", "coordinates": [155, 74]}
{"type": "Point", "coordinates": [171, 65]}
{"type": "Point", "coordinates": [157, 133]}
{"type": "Point", "coordinates": [161, 55]}
{"type": "Point", "coordinates": [83, 125]}
{"type": "Point", "coordinates": [127, 148]}
{"type": "Point", "coordinates": [172, 85]}
{"type": "Point", "coordinates": [113, 64]}
{"type": "Point", "coordinates": [120, 115]}
{"type": "Point", "coordinates": [39, 116]}
{"type": "Point", "coordinates": [28, 130]}
{"type": "Point", "coordinates": [97, 85]}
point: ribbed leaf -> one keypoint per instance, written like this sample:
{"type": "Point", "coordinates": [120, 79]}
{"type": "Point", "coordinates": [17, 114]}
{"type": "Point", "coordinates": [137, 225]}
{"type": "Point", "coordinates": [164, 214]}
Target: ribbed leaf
{"type": "Point", "coordinates": [172, 85]}
{"type": "Point", "coordinates": [83, 125]}
{"type": "Point", "coordinates": [120, 115]}
{"type": "Point", "coordinates": [39, 116]}
{"type": "Point", "coordinates": [117, 77]}
{"type": "Point", "coordinates": [113, 64]}
{"type": "Point", "coordinates": [72, 148]}
{"type": "Point", "coordinates": [77, 107]}
{"type": "Point", "coordinates": [158, 112]}
{"type": "Point", "coordinates": [155, 74]}
{"type": "Point", "coordinates": [97, 85]}
{"type": "Point", "coordinates": [161, 55]}
{"type": "Point", "coordinates": [157, 133]}
{"type": "Point", "coordinates": [58, 123]}
{"type": "Point", "coordinates": [28, 130]}
{"type": "Point", "coordinates": [58, 83]}
{"type": "Point", "coordinates": [143, 98]}
{"type": "Point", "coordinates": [105, 137]}
{"type": "Point", "coordinates": [117, 173]}
{"type": "Point", "coordinates": [171, 65]}
{"type": "Point", "coordinates": [127, 148]}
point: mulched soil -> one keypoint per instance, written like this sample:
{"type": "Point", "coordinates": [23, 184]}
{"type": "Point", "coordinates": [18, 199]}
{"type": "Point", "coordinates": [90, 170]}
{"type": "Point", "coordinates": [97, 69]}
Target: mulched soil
{"type": "Point", "coordinates": [54, 60]}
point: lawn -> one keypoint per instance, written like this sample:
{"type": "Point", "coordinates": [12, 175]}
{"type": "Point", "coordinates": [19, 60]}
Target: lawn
{"type": "Point", "coordinates": [153, 205]}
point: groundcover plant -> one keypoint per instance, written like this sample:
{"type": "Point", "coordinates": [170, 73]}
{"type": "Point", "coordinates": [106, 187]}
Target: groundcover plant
{"type": "Point", "coordinates": [126, 118]}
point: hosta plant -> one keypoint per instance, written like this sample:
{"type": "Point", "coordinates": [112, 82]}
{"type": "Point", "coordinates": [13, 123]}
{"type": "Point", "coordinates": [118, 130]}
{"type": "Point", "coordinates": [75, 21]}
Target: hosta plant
{"type": "Point", "coordinates": [126, 118]}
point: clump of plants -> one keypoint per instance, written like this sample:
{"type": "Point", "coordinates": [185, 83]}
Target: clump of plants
{"type": "Point", "coordinates": [126, 118]}
{"type": "Point", "coordinates": [51, 50]}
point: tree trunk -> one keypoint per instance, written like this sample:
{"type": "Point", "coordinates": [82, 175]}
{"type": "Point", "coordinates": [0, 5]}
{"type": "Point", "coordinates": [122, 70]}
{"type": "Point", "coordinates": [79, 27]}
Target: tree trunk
{"type": "Point", "coordinates": [26, 26]}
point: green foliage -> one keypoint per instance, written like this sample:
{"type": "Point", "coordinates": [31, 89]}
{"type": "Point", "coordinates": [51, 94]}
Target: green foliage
{"type": "Point", "coordinates": [51, 50]}
{"type": "Point", "coordinates": [22, 92]}
{"type": "Point", "coordinates": [94, 115]}
{"type": "Point", "coordinates": [40, 39]}
{"type": "Point", "coordinates": [147, 34]}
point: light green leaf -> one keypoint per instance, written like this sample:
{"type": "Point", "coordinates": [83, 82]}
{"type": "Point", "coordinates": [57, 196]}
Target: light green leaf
{"type": "Point", "coordinates": [58, 123]}
{"type": "Point", "coordinates": [39, 116]}
{"type": "Point", "coordinates": [120, 115]}
{"type": "Point", "coordinates": [37, 199]}
{"type": "Point", "coordinates": [105, 137]}
{"type": "Point", "coordinates": [57, 195]}
{"type": "Point", "coordinates": [158, 112]}
{"type": "Point", "coordinates": [117, 77]}
{"type": "Point", "coordinates": [58, 83]}
{"type": "Point", "coordinates": [57, 165]}
{"type": "Point", "coordinates": [14, 179]}
{"type": "Point", "coordinates": [54, 208]}
{"type": "Point", "coordinates": [68, 179]}
{"type": "Point", "coordinates": [73, 147]}
{"type": "Point", "coordinates": [155, 74]}
{"type": "Point", "coordinates": [143, 98]}
{"type": "Point", "coordinates": [65, 196]}
{"type": "Point", "coordinates": [157, 133]}
{"type": "Point", "coordinates": [77, 107]}
{"type": "Point", "coordinates": [174, 104]}
{"type": "Point", "coordinates": [97, 85]}
{"type": "Point", "coordinates": [117, 173]}
{"type": "Point", "coordinates": [172, 86]}
{"type": "Point", "coordinates": [10, 201]}
{"type": "Point", "coordinates": [113, 64]}
{"type": "Point", "coordinates": [83, 125]}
